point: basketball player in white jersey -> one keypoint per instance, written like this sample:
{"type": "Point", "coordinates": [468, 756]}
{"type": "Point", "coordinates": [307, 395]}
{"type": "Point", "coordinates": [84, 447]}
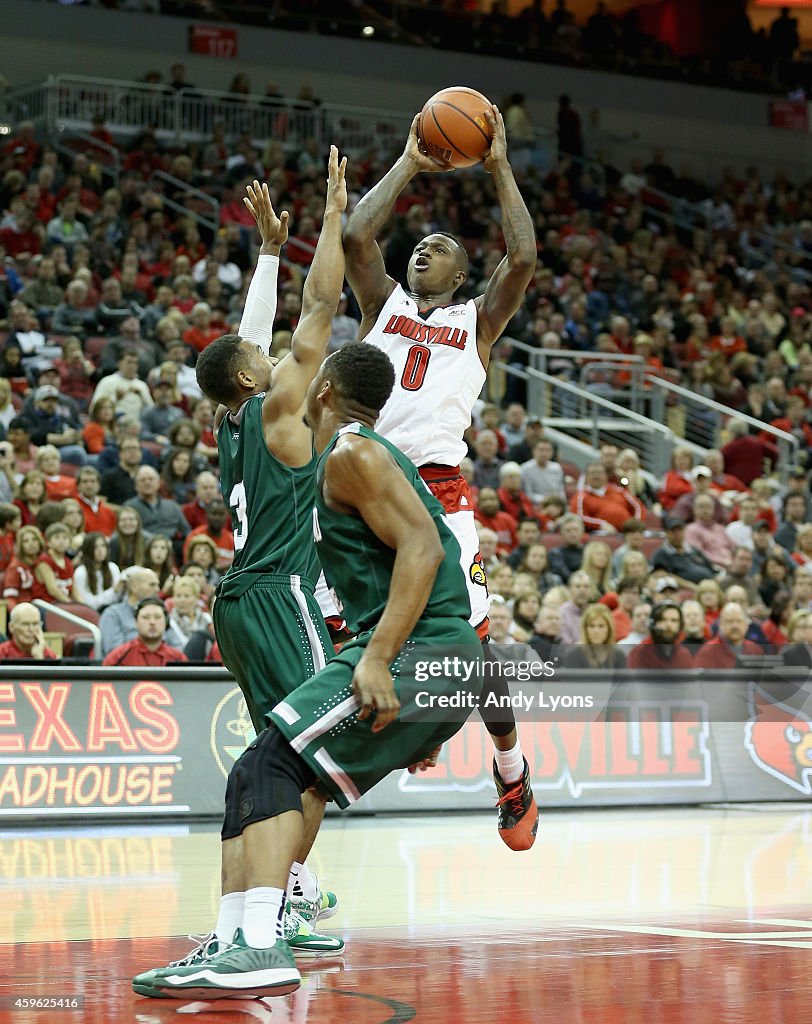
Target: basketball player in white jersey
{"type": "Point", "coordinates": [440, 350]}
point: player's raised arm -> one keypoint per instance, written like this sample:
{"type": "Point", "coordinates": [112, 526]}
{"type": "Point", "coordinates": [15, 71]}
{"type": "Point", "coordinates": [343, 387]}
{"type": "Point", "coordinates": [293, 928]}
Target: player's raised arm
{"type": "Point", "coordinates": [505, 290]}
{"type": "Point", "coordinates": [260, 302]}
{"type": "Point", "coordinates": [366, 271]}
{"type": "Point", "coordinates": [322, 291]}
{"type": "Point", "coordinates": [361, 477]}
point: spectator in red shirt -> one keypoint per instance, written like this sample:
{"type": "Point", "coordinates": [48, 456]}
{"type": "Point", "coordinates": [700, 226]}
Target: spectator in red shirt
{"type": "Point", "coordinates": [201, 333]}
{"type": "Point", "coordinates": [793, 423]}
{"type": "Point", "coordinates": [678, 480]}
{"type": "Point", "coordinates": [490, 514]}
{"type": "Point", "coordinates": [148, 649]}
{"type": "Point", "coordinates": [662, 649]}
{"type": "Point", "coordinates": [10, 522]}
{"type": "Point", "coordinates": [99, 516]}
{"type": "Point", "coordinates": [746, 456]}
{"type": "Point", "coordinates": [20, 582]}
{"type": "Point", "coordinates": [206, 489]}
{"type": "Point", "coordinates": [723, 651]}
{"type": "Point", "coordinates": [27, 640]}
{"type": "Point", "coordinates": [602, 505]}
{"type": "Point", "coordinates": [217, 529]}
{"type": "Point", "coordinates": [511, 496]}
{"type": "Point", "coordinates": [22, 237]}
{"type": "Point", "coordinates": [55, 569]}
{"type": "Point", "coordinates": [720, 480]}
{"type": "Point", "coordinates": [727, 341]}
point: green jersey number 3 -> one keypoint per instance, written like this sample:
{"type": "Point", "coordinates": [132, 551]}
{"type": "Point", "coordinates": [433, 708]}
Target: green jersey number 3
{"type": "Point", "coordinates": [238, 503]}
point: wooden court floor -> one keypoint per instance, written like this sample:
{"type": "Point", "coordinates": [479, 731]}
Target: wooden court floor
{"type": "Point", "coordinates": [682, 916]}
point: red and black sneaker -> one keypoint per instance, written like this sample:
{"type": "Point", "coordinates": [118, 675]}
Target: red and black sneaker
{"type": "Point", "coordinates": [518, 814]}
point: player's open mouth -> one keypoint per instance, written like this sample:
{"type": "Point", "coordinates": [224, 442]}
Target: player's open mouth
{"type": "Point", "coordinates": [421, 263]}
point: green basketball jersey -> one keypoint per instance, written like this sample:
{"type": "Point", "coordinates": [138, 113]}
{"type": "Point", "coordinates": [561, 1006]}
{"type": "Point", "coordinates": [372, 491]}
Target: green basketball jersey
{"type": "Point", "coordinates": [358, 566]}
{"type": "Point", "coordinates": [271, 504]}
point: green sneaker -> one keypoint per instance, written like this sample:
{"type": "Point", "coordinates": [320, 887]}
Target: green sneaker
{"type": "Point", "coordinates": [323, 906]}
{"type": "Point", "coordinates": [237, 972]}
{"type": "Point", "coordinates": [207, 947]}
{"type": "Point", "coordinates": [303, 941]}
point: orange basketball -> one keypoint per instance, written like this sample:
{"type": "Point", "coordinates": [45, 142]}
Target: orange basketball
{"type": "Point", "coordinates": [452, 126]}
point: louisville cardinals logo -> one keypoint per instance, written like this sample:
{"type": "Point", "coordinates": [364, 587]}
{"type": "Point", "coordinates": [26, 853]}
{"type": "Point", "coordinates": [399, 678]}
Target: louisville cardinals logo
{"type": "Point", "coordinates": [779, 740]}
{"type": "Point", "coordinates": [477, 572]}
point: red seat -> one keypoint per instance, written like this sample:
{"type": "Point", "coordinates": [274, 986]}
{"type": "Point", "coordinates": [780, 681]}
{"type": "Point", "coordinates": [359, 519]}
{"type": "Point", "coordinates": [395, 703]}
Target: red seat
{"type": "Point", "coordinates": [552, 540]}
{"type": "Point", "coordinates": [652, 521]}
{"type": "Point", "coordinates": [68, 469]}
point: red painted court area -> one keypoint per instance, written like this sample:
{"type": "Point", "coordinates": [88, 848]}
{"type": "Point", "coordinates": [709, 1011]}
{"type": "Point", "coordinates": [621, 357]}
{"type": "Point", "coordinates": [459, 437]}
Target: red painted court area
{"type": "Point", "coordinates": [681, 916]}
{"type": "Point", "coordinates": [720, 973]}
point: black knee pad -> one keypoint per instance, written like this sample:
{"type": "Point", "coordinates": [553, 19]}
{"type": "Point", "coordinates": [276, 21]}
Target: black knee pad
{"type": "Point", "coordinates": [499, 721]}
{"type": "Point", "coordinates": [268, 779]}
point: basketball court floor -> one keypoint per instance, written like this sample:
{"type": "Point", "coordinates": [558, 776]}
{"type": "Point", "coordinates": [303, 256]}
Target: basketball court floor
{"type": "Point", "coordinates": [666, 916]}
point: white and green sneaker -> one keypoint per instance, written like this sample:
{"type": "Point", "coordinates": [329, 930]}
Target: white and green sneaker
{"type": "Point", "coordinates": [323, 906]}
{"type": "Point", "coordinates": [303, 941]}
{"type": "Point", "coordinates": [237, 972]}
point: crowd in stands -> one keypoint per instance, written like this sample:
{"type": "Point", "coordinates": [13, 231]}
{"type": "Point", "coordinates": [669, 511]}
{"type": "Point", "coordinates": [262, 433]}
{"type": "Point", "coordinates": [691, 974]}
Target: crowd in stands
{"type": "Point", "coordinates": [733, 56]}
{"type": "Point", "coordinates": [109, 498]}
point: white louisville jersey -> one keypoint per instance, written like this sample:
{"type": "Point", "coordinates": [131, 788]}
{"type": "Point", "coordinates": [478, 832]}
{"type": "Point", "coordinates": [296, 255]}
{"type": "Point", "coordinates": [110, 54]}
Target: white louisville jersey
{"type": "Point", "coordinates": [438, 377]}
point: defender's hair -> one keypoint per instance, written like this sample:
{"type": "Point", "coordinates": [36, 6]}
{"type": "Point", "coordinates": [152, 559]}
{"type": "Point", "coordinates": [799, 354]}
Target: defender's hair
{"type": "Point", "coordinates": [217, 368]}
{"type": "Point", "coordinates": [363, 375]}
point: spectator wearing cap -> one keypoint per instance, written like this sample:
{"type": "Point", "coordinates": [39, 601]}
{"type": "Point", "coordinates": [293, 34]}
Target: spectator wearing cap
{"type": "Point", "coordinates": [130, 394]}
{"type": "Point", "coordinates": [158, 418]}
{"type": "Point", "coordinates": [67, 407]}
{"type": "Point", "coordinates": [793, 516]}
{"type": "Point", "coordinates": [747, 457]}
{"type": "Point", "coordinates": [27, 640]}
{"type": "Point", "coordinates": [117, 622]}
{"type": "Point", "coordinates": [679, 480]}
{"type": "Point", "coordinates": [666, 588]}
{"type": "Point", "coordinates": [48, 427]}
{"type": "Point", "coordinates": [148, 649]}
{"type": "Point", "coordinates": [541, 477]}
{"type": "Point", "coordinates": [684, 508]}
{"type": "Point", "coordinates": [727, 648]}
{"type": "Point", "coordinates": [685, 563]}
{"type": "Point", "coordinates": [523, 450]}
{"type": "Point", "coordinates": [707, 536]}
{"type": "Point", "coordinates": [343, 329]}
{"type": "Point", "coordinates": [602, 505]}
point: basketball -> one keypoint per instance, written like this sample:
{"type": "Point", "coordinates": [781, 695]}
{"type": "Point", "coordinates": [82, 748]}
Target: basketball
{"type": "Point", "coordinates": [453, 128]}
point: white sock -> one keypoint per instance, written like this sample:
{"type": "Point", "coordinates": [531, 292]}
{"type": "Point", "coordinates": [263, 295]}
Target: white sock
{"type": "Point", "coordinates": [302, 880]}
{"type": "Point", "coordinates": [262, 916]}
{"type": "Point", "coordinates": [229, 918]}
{"type": "Point", "coordinates": [510, 763]}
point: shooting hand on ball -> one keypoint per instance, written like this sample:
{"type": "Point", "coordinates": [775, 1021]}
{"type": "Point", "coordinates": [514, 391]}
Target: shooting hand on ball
{"type": "Point", "coordinates": [416, 153]}
{"type": "Point", "coordinates": [498, 152]}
